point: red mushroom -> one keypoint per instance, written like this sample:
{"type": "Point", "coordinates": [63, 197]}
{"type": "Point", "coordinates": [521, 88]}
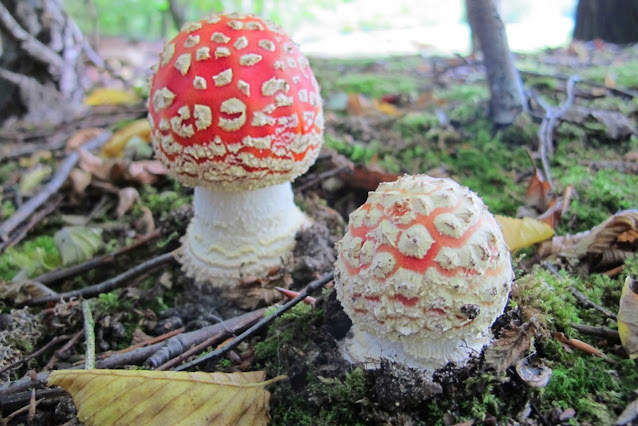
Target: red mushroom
{"type": "Point", "coordinates": [235, 111]}
{"type": "Point", "coordinates": [423, 271]}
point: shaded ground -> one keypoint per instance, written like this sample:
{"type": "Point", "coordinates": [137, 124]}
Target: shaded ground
{"type": "Point", "coordinates": [384, 117]}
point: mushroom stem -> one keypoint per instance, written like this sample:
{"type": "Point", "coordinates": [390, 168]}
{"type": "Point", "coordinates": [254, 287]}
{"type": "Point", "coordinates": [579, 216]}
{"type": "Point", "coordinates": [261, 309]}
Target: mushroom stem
{"type": "Point", "coordinates": [240, 234]}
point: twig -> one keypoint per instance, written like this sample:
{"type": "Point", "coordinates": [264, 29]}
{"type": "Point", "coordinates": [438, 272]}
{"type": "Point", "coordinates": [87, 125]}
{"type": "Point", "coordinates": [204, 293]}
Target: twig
{"type": "Point", "coordinates": [25, 409]}
{"type": "Point", "coordinates": [98, 261]}
{"type": "Point", "coordinates": [315, 285]}
{"type": "Point", "coordinates": [605, 332]}
{"type": "Point", "coordinates": [313, 180]}
{"type": "Point", "coordinates": [583, 300]}
{"type": "Point", "coordinates": [546, 129]}
{"type": "Point", "coordinates": [175, 346]}
{"type": "Point", "coordinates": [110, 284]}
{"type": "Point", "coordinates": [50, 188]}
{"type": "Point", "coordinates": [58, 354]}
{"type": "Point", "coordinates": [89, 336]}
{"type": "Point", "coordinates": [38, 50]}
{"type": "Point", "coordinates": [156, 339]}
{"type": "Point", "coordinates": [615, 90]}
{"type": "Point", "coordinates": [35, 354]}
{"type": "Point", "coordinates": [33, 221]}
{"type": "Point", "coordinates": [212, 340]}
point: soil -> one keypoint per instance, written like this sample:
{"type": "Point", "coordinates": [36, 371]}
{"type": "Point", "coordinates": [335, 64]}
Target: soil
{"type": "Point", "coordinates": [384, 117]}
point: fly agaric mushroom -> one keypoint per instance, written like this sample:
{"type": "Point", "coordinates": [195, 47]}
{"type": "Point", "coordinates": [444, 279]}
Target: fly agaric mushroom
{"type": "Point", "coordinates": [422, 272]}
{"type": "Point", "coordinates": [235, 111]}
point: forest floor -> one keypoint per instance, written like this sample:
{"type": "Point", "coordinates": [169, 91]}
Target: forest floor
{"type": "Point", "coordinates": [560, 358]}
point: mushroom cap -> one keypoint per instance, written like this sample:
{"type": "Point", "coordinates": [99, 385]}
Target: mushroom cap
{"type": "Point", "coordinates": [422, 266]}
{"type": "Point", "coordinates": [234, 105]}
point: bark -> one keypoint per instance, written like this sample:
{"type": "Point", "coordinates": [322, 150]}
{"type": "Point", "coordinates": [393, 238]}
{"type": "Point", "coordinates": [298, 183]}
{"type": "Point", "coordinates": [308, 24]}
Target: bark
{"type": "Point", "coordinates": [40, 67]}
{"type": "Point", "coordinates": [506, 87]}
{"type": "Point", "coordinates": [178, 13]}
{"type": "Point", "coordinates": [614, 21]}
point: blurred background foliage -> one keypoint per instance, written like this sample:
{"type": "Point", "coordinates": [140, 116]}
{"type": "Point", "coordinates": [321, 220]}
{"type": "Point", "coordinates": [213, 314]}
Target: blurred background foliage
{"type": "Point", "coordinates": [151, 19]}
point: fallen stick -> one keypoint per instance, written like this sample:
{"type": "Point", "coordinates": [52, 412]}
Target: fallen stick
{"type": "Point", "coordinates": [605, 332]}
{"type": "Point", "coordinates": [315, 285]}
{"type": "Point", "coordinates": [60, 176]}
{"type": "Point", "coordinates": [176, 346]}
{"type": "Point", "coordinates": [110, 284]}
{"type": "Point", "coordinates": [102, 260]}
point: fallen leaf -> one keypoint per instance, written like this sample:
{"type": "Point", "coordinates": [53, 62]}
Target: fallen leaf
{"type": "Point", "coordinates": [30, 180]}
{"type": "Point", "coordinates": [127, 199]}
{"type": "Point", "coordinates": [539, 193]}
{"type": "Point", "coordinates": [115, 146]}
{"type": "Point", "coordinates": [521, 233]}
{"type": "Point", "coordinates": [618, 125]}
{"type": "Point", "coordinates": [600, 243]}
{"type": "Point", "coordinates": [628, 317]}
{"type": "Point", "coordinates": [369, 177]}
{"type": "Point", "coordinates": [22, 290]}
{"type": "Point", "coordinates": [166, 397]}
{"type": "Point", "coordinates": [358, 104]}
{"type": "Point", "coordinates": [81, 137]}
{"type": "Point", "coordinates": [77, 243]}
{"type": "Point", "coordinates": [105, 96]}
{"type": "Point", "coordinates": [94, 165]}
{"type": "Point", "coordinates": [80, 180]}
{"type": "Point", "coordinates": [511, 346]}
{"type": "Point", "coordinates": [629, 414]}
{"type": "Point", "coordinates": [386, 108]}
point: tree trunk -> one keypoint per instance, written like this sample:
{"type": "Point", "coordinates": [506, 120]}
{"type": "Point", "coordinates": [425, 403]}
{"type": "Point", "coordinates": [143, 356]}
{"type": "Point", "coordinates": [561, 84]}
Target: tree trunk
{"type": "Point", "coordinates": [178, 13]}
{"type": "Point", "coordinates": [615, 21]}
{"type": "Point", "coordinates": [506, 88]}
{"type": "Point", "coordinates": [40, 66]}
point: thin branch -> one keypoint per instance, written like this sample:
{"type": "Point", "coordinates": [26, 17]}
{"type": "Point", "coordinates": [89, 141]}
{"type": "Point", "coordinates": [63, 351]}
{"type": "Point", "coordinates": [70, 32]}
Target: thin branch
{"type": "Point", "coordinates": [625, 93]}
{"type": "Point", "coordinates": [212, 340]}
{"type": "Point", "coordinates": [35, 354]}
{"type": "Point", "coordinates": [50, 188]}
{"type": "Point", "coordinates": [110, 284]}
{"type": "Point", "coordinates": [584, 300]}
{"type": "Point", "coordinates": [58, 354]}
{"type": "Point", "coordinates": [315, 285]}
{"type": "Point", "coordinates": [176, 346]}
{"type": "Point", "coordinates": [33, 221]}
{"type": "Point", "coordinates": [37, 50]}
{"type": "Point", "coordinates": [546, 129]}
{"type": "Point", "coordinates": [89, 336]}
{"type": "Point", "coordinates": [99, 261]}
{"type": "Point", "coordinates": [604, 332]}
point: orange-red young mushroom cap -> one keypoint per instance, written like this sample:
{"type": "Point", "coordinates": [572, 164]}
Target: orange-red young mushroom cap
{"type": "Point", "coordinates": [235, 105]}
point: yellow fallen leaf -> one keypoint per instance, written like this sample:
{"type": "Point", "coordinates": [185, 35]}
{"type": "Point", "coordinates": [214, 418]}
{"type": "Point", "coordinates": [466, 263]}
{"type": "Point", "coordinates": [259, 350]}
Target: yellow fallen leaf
{"type": "Point", "coordinates": [166, 397]}
{"type": "Point", "coordinates": [105, 96]}
{"type": "Point", "coordinates": [521, 233]}
{"type": "Point", "coordinates": [628, 317]}
{"type": "Point", "coordinates": [114, 147]}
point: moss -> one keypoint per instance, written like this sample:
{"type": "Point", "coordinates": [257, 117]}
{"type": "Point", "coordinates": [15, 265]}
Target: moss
{"type": "Point", "coordinates": [7, 208]}
{"type": "Point", "coordinates": [598, 195]}
{"type": "Point", "coordinates": [33, 257]}
{"type": "Point", "coordinates": [162, 202]}
{"type": "Point", "coordinates": [375, 85]}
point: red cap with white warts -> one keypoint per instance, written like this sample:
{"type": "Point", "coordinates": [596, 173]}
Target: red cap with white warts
{"type": "Point", "coordinates": [235, 105]}
{"type": "Point", "coordinates": [423, 272]}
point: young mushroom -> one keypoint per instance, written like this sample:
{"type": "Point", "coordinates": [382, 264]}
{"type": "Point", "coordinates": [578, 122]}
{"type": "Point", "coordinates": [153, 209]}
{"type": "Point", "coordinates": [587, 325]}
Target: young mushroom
{"type": "Point", "coordinates": [235, 112]}
{"type": "Point", "coordinates": [422, 272]}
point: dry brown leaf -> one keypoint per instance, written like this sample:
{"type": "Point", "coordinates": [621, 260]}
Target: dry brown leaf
{"type": "Point", "coordinates": [539, 193]}
{"type": "Point", "coordinates": [628, 317]}
{"type": "Point", "coordinates": [80, 180]}
{"type": "Point", "coordinates": [114, 147]}
{"type": "Point", "coordinates": [127, 199]}
{"type": "Point", "coordinates": [599, 242]}
{"type": "Point", "coordinates": [81, 137]}
{"type": "Point", "coordinates": [521, 233]}
{"type": "Point", "coordinates": [511, 346]}
{"type": "Point", "coordinates": [166, 397]}
{"type": "Point", "coordinates": [369, 177]}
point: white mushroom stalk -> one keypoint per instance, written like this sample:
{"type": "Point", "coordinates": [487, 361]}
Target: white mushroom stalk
{"type": "Point", "coordinates": [240, 234]}
{"type": "Point", "coordinates": [423, 272]}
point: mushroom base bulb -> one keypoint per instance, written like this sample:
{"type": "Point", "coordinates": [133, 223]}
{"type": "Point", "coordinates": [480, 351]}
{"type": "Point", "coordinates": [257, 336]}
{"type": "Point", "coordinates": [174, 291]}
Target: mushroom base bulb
{"type": "Point", "coordinates": [423, 272]}
{"type": "Point", "coordinates": [367, 349]}
{"type": "Point", "coordinates": [234, 235]}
